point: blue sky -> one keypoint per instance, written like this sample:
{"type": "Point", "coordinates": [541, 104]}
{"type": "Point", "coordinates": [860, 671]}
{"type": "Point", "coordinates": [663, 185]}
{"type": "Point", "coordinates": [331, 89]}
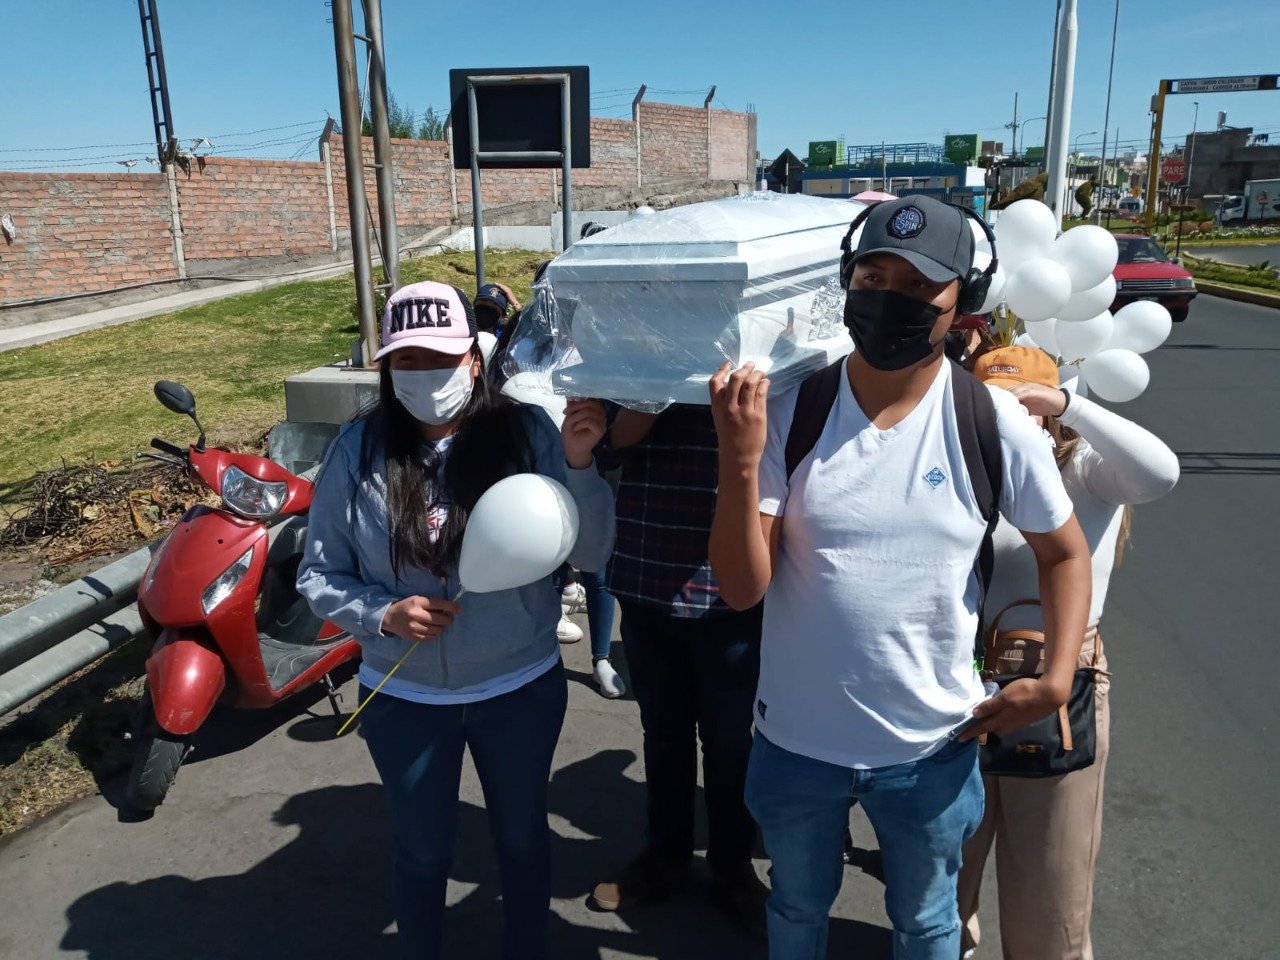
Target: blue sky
{"type": "Point", "coordinates": [257, 76]}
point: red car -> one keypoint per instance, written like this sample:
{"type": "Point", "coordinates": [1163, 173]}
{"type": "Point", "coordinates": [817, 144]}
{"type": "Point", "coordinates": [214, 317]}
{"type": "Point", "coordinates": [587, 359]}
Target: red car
{"type": "Point", "coordinates": [1146, 273]}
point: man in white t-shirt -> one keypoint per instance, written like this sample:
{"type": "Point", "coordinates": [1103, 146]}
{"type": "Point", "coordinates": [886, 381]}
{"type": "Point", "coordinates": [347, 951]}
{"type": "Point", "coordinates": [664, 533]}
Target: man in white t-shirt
{"type": "Point", "coordinates": [865, 556]}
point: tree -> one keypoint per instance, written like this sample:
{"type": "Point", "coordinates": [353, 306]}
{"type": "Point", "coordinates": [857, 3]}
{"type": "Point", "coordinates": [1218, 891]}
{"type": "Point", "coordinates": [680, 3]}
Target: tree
{"type": "Point", "coordinates": [432, 126]}
{"type": "Point", "coordinates": [400, 121]}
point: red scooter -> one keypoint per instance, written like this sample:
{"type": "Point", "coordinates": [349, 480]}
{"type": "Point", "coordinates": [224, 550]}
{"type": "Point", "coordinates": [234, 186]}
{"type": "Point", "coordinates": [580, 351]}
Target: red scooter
{"type": "Point", "coordinates": [220, 600]}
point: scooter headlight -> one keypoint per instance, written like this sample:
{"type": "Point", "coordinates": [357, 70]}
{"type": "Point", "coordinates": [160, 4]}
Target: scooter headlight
{"type": "Point", "coordinates": [227, 581]}
{"type": "Point", "coordinates": [251, 497]}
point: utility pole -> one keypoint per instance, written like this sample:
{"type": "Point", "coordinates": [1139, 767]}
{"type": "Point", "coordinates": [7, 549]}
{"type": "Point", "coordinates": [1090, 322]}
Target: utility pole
{"type": "Point", "coordinates": [385, 173]}
{"type": "Point", "coordinates": [1013, 147]}
{"type": "Point", "coordinates": [1063, 88]}
{"type": "Point", "coordinates": [1106, 122]}
{"type": "Point", "coordinates": [349, 99]}
{"type": "Point", "coordinates": [158, 81]}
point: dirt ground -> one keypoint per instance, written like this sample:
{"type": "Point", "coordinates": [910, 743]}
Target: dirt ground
{"type": "Point", "coordinates": [58, 526]}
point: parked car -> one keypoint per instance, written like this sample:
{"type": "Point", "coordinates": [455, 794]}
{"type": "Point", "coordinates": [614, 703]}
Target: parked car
{"type": "Point", "coordinates": [1145, 272]}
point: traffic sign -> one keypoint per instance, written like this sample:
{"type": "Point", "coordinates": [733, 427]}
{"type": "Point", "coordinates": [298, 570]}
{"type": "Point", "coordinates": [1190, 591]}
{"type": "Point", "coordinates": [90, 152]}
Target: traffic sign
{"type": "Point", "coordinates": [1173, 170]}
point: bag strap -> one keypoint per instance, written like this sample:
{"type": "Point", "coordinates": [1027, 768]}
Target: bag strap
{"type": "Point", "coordinates": [814, 400]}
{"type": "Point", "coordinates": [980, 444]}
{"type": "Point", "coordinates": [989, 644]}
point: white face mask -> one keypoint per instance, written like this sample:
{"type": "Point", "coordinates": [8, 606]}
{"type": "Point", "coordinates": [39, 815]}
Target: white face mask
{"type": "Point", "coordinates": [433, 396]}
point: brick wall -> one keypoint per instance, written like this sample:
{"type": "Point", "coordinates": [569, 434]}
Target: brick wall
{"type": "Point", "coordinates": [237, 207]}
{"type": "Point", "coordinates": [733, 146]}
{"type": "Point", "coordinates": [673, 142]}
{"type": "Point", "coordinates": [83, 232]}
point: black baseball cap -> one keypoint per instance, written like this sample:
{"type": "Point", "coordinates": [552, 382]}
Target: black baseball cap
{"type": "Point", "coordinates": [493, 294]}
{"type": "Point", "coordinates": [932, 236]}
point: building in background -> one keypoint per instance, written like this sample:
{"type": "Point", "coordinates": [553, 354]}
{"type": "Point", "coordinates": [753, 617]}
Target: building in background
{"type": "Point", "coordinates": [948, 172]}
{"type": "Point", "coordinates": [1225, 160]}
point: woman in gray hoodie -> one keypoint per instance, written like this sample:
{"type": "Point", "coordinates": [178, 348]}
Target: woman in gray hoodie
{"type": "Point", "coordinates": [385, 530]}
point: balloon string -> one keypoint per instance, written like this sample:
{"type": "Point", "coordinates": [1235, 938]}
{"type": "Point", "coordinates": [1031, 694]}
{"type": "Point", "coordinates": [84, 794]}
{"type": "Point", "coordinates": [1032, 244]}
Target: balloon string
{"type": "Point", "coordinates": [390, 673]}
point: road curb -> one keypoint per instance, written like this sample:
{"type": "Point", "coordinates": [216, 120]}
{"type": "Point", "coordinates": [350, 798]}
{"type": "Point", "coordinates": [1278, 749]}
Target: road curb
{"type": "Point", "coordinates": [1258, 298]}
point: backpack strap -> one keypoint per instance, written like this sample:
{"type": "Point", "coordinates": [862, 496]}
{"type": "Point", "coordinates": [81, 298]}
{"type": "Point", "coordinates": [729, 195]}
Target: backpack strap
{"type": "Point", "coordinates": [980, 444]}
{"type": "Point", "coordinates": [814, 400]}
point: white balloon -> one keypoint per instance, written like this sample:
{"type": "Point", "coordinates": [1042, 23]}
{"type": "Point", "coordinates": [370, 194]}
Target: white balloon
{"type": "Point", "coordinates": [488, 342]}
{"type": "Point", "coordinates": [1025, 340]}
{"type": "Point", "coordinates": [1025, 231]}
{"type": "Point", "coordinates": [1069, 377]}
{"type": "Point", "coordinates": [1038, 289]}
{"type": "Point", "coordinates": [980, 242]}
{"type": "Point", "coordinates": [1089, 253]}
{"type": "Point", "coordinates": [1079, 341]}
{"type": "Point", "coordinates": [520, 530]}
{"type": "Point", "coordinates": [1087, 304]}
{"type": "Point", "coordinates": [995, 292]}
{"type": "Point", "coordinates": [1141, 326]}
{"type": "Point", "coordinates": [529, 387]}
{"type": "Point", "coordinates": [1044, 333]}
{"type": "Point", "coordinates": [1116, 375]}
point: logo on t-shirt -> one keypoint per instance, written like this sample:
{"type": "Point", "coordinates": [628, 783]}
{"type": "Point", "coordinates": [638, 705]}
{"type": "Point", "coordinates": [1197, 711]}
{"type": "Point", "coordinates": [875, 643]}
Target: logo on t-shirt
{"type": "Point", "coordinates": [936, 477]}
{"type": "Point", "coordinates": [762, 707]}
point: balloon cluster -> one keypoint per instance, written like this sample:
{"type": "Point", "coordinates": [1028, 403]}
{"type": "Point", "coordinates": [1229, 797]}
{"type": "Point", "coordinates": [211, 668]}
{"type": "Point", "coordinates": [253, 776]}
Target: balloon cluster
{"type": "Point", "coordinates": [1062, 288]}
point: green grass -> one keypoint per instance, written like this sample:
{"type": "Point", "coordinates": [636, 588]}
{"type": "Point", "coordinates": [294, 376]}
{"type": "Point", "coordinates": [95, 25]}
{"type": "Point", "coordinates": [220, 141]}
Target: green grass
{"type": "Point", "coordinates": [1257, 277]}
{"type": "Point", "coordinates": [89, 396]}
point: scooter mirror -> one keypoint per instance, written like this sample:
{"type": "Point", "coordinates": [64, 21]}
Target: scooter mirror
{"type": "Point", "coordinates": [175, 397]}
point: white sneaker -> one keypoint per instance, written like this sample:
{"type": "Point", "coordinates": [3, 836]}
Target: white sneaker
{"type": "Point", "coordinates": [575, 595]}
{"type": "Point", "coordinates": [567, 631]}
{"type": "Point", "coordinates": [607, 679]}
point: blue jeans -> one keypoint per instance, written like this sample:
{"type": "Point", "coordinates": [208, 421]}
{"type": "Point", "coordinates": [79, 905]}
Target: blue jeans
{"type": "Point", "coordinates": [922, 813]}
{"type": "Point", "coordinates": [600, 607]}
{"type": "Point", "coordinates": [417, 749]}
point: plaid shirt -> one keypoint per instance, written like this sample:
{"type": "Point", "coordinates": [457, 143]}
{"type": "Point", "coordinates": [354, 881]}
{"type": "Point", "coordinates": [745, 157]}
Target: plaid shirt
{"type": "Point", "coordinates": [666, 499]}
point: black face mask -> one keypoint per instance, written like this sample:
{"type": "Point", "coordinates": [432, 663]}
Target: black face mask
{"type": "Point", "coordinates": [891, 330]}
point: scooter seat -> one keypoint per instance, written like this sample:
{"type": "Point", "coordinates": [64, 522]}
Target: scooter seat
{"type": "Point", "coordinates": [285, 662]}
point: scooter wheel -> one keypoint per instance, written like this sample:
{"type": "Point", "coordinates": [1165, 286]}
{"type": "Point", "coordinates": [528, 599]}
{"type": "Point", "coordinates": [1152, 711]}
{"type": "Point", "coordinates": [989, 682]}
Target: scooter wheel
{"type": "Point", "coordinates": [156, 760]}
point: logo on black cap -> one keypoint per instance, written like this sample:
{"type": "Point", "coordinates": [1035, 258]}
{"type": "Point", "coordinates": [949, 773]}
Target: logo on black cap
{"type": "Point", "coordinates": [907, 223]}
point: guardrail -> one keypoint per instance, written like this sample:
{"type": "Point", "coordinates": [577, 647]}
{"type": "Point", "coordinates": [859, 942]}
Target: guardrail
{"type": "Point", "coordinates": [52, 637]}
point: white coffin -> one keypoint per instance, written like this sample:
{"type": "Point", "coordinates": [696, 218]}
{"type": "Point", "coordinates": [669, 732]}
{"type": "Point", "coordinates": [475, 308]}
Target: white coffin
{"type": "Point", "coordinates": [655, 305]}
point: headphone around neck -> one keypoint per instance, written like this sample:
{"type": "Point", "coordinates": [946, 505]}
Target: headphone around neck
{"type": "Point", "coordinates": [973, 287]}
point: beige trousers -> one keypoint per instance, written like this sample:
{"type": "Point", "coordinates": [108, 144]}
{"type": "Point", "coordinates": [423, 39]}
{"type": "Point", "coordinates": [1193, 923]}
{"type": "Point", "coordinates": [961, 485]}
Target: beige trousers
{"type": "Point", "coordinates": [1046, 834]}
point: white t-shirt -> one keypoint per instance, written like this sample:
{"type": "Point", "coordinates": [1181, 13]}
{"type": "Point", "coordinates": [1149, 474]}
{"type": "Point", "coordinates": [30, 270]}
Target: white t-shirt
{"type": "Point", "coordinates": [869, 623]}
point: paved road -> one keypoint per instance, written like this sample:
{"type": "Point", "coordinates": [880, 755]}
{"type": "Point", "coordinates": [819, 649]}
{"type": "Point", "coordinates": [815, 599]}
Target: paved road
{"type": "Point", "coordinates": [1241, 256]}
{"type": "Point", "coordinates": [274, 842]}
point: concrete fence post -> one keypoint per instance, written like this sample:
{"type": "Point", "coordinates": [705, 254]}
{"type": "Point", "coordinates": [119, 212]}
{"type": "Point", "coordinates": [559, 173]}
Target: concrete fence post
{"type": "Point", "coordinates": [635, 118]}
{"type": "Point", "coordinates": [327, 155]}
{"type": "Point", "coordinates": [175, 222]}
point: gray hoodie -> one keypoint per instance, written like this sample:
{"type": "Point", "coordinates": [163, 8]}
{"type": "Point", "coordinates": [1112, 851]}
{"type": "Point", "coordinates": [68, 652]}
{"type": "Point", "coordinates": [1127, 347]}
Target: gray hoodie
{"type": "Point", "coordinates": [346, 574]}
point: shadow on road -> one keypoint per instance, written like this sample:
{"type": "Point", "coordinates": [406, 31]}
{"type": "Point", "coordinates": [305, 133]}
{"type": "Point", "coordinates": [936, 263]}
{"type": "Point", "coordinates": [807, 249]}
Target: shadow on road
{"type": "Point", "coordinates": [326, 893]}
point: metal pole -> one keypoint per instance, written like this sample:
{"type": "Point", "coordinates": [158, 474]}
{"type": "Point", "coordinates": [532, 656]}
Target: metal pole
{"type": "Point", "coordinates": [1191, 160]}
{"type": "Point", "coordinates": [884, 167]}
{"type": "Point", "coordinates": [477, 216]}
{"type": "Point", "coordinates": [1153, 163]}
{"type": "Point", "coordinates": [1063, 88]}
{"type": "Point", "coordinates": [349, 98]}
{"type": "Point", "coordinates": [1053, 74]}
{"type": "Point", "coordinates": [382, 146]}
{"type": "Point", "coordinates": [566, 144]}
{"type": "Point", "coordinates": [1106, 121]}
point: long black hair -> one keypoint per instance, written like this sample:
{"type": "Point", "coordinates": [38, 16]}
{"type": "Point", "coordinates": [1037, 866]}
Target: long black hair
{"type": "Point", "coordinates": [491, 442]}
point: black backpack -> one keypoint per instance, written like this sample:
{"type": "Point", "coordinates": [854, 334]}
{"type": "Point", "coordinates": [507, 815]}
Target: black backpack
{"type": "Point", "coordinates": [979, 442]}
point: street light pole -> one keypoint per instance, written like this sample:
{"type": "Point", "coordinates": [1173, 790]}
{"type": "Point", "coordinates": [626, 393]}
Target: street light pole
{"type": "Point", "coordinates": [1063, 91]}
